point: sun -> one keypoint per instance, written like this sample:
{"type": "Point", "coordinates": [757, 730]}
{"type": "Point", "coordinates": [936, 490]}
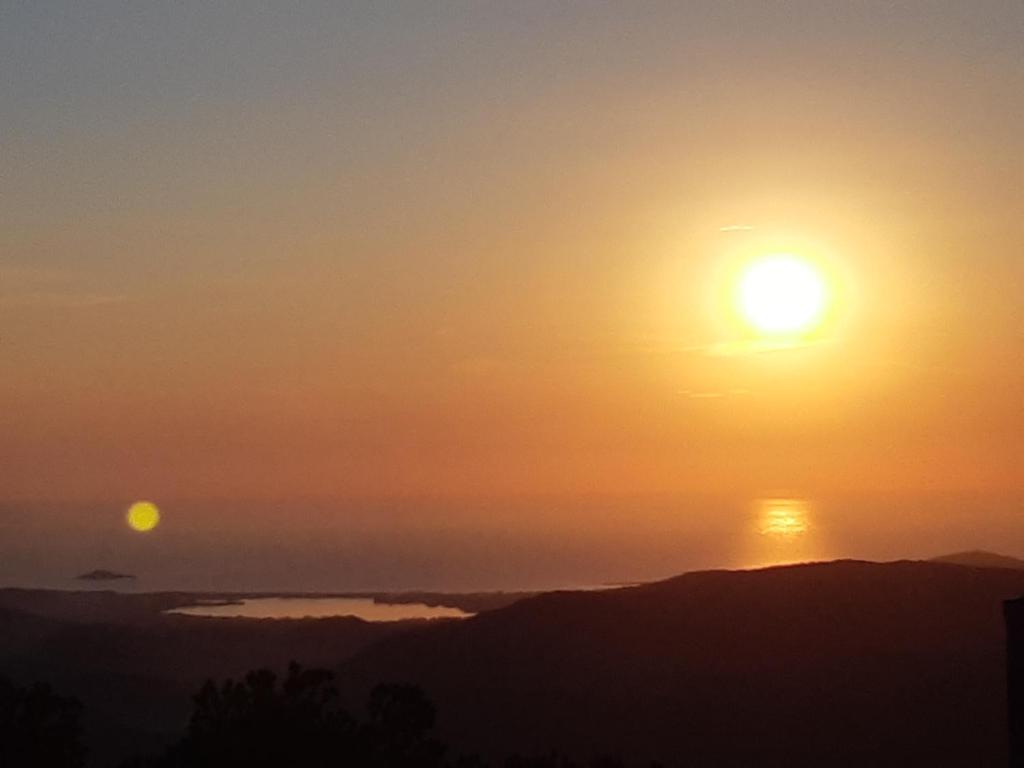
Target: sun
{"type": "Point", "coordinates": [143, 516]}
{"type": "Point", "coordinates": [782, 294]}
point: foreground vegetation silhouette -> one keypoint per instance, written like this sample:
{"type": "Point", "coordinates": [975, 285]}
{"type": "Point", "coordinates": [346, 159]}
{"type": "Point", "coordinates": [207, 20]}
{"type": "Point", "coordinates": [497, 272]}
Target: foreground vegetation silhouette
{"type": "Point", "coordinates": [842, 664]}
{"type": "Point", "coordinates": [1014, 612]}
{"type": "Point", "coordinates": [38, 728]}
{"type": "Point", "coordinates": [299, 722]}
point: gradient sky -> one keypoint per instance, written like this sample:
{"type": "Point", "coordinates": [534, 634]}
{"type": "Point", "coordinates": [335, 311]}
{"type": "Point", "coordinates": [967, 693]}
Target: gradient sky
{"type": "Point", "coordinates": [280, 250]}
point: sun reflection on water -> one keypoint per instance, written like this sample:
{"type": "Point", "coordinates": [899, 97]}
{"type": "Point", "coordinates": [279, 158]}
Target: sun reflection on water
{"type": "Point", "coordinates": [785, 519]}
{"type": "Point", "coordinates": [782, 530]}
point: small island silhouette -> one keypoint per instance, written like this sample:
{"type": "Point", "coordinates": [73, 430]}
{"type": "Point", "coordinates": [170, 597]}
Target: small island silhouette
{"type": "Point", "coordinates": [104, 575]}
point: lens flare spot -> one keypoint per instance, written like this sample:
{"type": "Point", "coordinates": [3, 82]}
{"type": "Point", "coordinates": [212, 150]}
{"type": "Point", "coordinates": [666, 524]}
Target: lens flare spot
{"type": "Point", "coordinates": [143, 516]}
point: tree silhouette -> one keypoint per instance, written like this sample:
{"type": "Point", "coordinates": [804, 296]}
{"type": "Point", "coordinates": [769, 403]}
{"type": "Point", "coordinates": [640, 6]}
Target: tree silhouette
{"type": "Point", "coordinates": [38, 728]}
{"type": "Point", "coordinates": [255, 722]}
{"type": "Point", "coordinates": [259, 722]}
{"type": "Point", "coordinates": [400, 718]}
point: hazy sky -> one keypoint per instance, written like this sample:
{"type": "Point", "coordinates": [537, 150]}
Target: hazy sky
{"type": "Point", "coordinates": [277, 250]}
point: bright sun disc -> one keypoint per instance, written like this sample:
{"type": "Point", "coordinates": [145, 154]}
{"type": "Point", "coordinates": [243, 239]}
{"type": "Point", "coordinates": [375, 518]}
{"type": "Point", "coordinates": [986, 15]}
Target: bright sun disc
{"type": "Point", "coordinates": [781, 294]}
{"type": "Point", "coordinates": [143, 516]}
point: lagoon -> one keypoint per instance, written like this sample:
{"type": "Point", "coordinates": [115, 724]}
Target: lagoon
{"type": "Point", "coordinates": [319, 608]}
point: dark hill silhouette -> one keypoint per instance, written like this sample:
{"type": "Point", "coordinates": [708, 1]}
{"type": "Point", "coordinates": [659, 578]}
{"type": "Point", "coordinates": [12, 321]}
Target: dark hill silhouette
{"type": "Point", "coordinates": [94, 606]}
{"type": "Point", "coordinates": [135, 675]}
{"type": "Point", "coordinates": [39, 728]}
{"type": "Point", "coordinates": [839, 664]}
{"type": "Point", "coordinates": [980, 559]}
{"type": "Point", "coordinates": [1015, 678]}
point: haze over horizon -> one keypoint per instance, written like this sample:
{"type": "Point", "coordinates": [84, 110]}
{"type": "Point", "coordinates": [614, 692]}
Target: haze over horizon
{"type": "Point", "coordinates": [301, 547]}
{"type": "Point", "coordinates": [443, 295]}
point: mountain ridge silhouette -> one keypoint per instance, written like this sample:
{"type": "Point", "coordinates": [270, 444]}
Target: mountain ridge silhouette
{"type": "Point", "coordinates": [840, 663]}
{"type": "Point", "coordinates": [979, 558]}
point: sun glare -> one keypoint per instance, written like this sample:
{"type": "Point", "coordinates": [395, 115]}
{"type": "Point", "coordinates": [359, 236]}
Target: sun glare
{"type": "Point", "coordinates": [782, 294]}
{"type": "Point", "coordinates": [143, 516]}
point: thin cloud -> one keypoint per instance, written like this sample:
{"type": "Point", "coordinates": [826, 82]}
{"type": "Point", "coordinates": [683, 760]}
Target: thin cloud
{"type": "Point", "coordinates": [736, 228]}
{"type": "Point", "coordinates": [759, 347]}
{"type": "Point", "coordinates": [62, 300]}
{"type": "Point", "coordinates": [10, 273]}
{"type": "Point", "coordinates": [481, 367]}
{"type": "Point", "coordinates": [690, 394]}
{"type": "Point", "coordinates": [713, 394]}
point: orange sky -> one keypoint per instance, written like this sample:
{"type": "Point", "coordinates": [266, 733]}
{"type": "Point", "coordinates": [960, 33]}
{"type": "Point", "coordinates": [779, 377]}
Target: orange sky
{"type": "Point", "coordinates": [474, 252]}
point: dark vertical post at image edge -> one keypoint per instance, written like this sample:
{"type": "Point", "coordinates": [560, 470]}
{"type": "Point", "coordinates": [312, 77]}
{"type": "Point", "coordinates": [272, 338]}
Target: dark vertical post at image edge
{"type": "Point", "coordinates": [1014, 611]}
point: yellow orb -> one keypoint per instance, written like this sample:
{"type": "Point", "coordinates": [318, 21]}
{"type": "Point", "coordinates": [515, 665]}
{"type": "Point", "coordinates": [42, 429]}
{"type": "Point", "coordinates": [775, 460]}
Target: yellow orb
{"type": "Point", "coordinates": [782, 294]}
{"type": "Point", "coordinates": [143, 516]}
